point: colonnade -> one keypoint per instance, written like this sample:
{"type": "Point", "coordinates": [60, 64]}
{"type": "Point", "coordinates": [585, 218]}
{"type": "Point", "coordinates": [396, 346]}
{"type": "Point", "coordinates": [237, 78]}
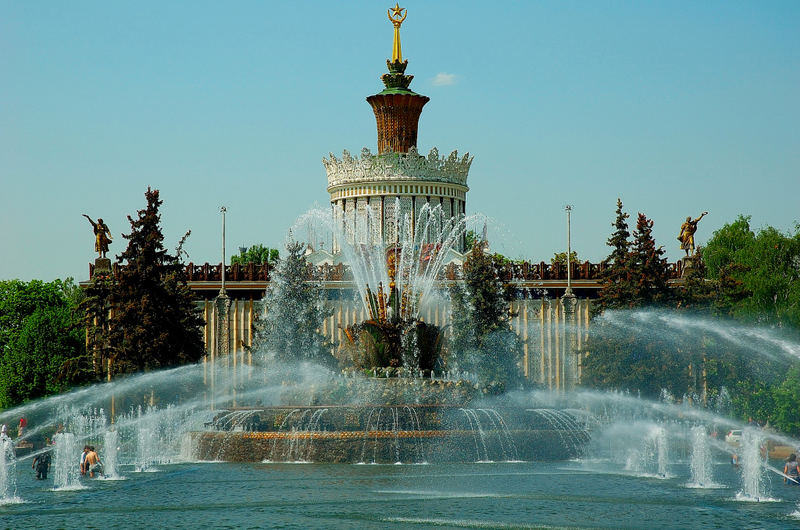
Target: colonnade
{"type": "Point", "coordinates": [552, 336]}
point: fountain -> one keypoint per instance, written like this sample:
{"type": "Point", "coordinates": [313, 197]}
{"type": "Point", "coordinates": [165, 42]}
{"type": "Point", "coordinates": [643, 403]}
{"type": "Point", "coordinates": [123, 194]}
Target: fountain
{"type": "Point", "coordinates": [66, 475]}
{"type": "Point", "coordinates": [651, 457]}
{"type": "Point", "coordinates": [701, 463]}
{"type": "Point", "coordinates": [394, 284]}
{"type": "Point", "coordinates": [398, 403]}
{"type": "Point", "coordinates": [754, 472]}
{"type": "Point", "coordinates": [310, 414]}
{"type": "Point", "coordinates": [398, 219]}
{"type": "Point", "coordinates": [8, 470]}
{"type": "Point", "coordinates": [110, 455]}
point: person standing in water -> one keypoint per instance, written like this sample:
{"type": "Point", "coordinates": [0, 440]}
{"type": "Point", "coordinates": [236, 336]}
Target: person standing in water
{"type": "Point", "coordinates": [83, 459]}
{"type": "Point", "coordinates": [93, 464]}
{"type": "Point", "coordinates": [791, 471]}
{"type": "Point", "coordinates": [42, 465]}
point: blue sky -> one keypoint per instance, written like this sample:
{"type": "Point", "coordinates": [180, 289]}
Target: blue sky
{"type": "Point", "coordinates": [676, 107]}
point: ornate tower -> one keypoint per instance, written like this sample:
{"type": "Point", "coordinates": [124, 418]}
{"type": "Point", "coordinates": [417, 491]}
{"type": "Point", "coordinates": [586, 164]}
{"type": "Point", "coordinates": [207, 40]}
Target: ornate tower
{"type": "Point", "coordinates": [369, 194]}
{"type": "Point", "coordinates": [397, 108]}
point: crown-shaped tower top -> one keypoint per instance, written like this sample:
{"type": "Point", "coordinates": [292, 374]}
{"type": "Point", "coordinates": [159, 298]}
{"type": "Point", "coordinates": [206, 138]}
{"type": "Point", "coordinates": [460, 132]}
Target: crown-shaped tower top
{"type": "Point", "coordinates": [397, 108]}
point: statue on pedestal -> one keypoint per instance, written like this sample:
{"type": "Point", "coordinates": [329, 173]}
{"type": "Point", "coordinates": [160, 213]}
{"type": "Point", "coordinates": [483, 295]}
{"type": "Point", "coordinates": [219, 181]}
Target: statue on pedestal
{"type": "Point", "coordinates": [686, 237]}
{"type": "Point", "coordinates": [102, 236]}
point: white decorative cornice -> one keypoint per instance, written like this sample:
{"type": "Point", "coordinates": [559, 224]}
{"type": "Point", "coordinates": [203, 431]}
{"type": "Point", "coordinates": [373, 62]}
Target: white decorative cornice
{"type": "Point", "coordinates": [397, 167]}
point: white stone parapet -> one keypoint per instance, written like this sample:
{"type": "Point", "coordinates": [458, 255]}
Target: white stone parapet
{"type": "Point", "coordinates": [397, 167]}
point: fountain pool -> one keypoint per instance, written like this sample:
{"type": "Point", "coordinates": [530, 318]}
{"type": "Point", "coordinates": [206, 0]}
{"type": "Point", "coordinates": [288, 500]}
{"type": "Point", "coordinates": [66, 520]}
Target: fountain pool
{"type": "Point", "coordinates": [575, 494]}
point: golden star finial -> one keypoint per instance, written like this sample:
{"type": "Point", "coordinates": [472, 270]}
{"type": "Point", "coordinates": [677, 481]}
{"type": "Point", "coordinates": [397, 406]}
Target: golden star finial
{"type": "Point", "coordinates": [397, 11]}
{"type": "Point", "coordinates": [397, 17]}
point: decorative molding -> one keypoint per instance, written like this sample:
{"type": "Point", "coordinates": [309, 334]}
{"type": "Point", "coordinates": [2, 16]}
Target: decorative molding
{"type": "Point", "coordinates": [388, 167]}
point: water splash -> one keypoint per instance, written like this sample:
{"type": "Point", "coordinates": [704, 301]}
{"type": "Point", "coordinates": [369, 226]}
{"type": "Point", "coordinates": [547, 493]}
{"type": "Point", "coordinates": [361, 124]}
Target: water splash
{"type": "Point", "coordinates": [8, 471]}
{"type": "Point", "coordinates": [66, 463]}
{"type": "Point", "coordinates": [752, 463]}
{"type": "Point", "coordinates": [422, 245]}
{"type": "Point", "coordinates": [701, 463]}
{"type": "Point", "coordinates": [110, 455]}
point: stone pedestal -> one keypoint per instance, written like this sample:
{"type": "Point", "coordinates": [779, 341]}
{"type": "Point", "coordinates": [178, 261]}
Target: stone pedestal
{"type": "Point", "coordinates": [570, 301]}
{"type": "Point", "coordinates": [687, 263]}
{"type": "Point", "coordinates": [102, 267]}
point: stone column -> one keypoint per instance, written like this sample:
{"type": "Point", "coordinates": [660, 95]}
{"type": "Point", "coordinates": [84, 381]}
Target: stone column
{"type": "Point", "coordinates": [570, 303]}
{"type": "Point", "coordinates": [222, 304]}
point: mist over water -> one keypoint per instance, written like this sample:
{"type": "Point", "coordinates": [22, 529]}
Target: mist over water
{"type": "Point", "coordinates": [677, 326]}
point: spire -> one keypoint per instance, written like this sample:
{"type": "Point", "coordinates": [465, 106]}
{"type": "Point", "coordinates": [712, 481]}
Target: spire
{"type": "Point", "coordinates": [397, 108]}
{"type": "Point", "coordinates": [397, 17]}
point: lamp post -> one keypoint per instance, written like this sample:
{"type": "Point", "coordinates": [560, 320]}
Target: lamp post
{"type": "Point", "coordinates": [570, 302]}
{"type": "Point", "coordinates": [568, 292]}
{"type": "Point", "coordinates": [222, 210]}
{"type": "Point", "coordinates": [223, 303]}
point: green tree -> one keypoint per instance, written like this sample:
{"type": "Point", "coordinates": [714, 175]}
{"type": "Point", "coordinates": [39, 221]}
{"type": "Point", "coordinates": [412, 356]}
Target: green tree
{"type": "Point", "coordinates": [155, 322]}
{"type": "Point", "coordinates": [785, 415]}
{"type": "Point", "coordinates": [617, 290]}
{"type": "Point", "coordinates": [482, 341]}
{"type": "Point", "coordinates": [41, 339]}
{"type": "Point", "coordinates": [648, 265]}
{"type": "Point", "coordinates": [726, 244]}
{"type": "Point", "coordinates": [758, 273]}
{"type": "Point", "coordinates": [295, 311]}
{"type": "Point", "coordinates": [470, 237]}
{"type": "Point", "coordinates": [636, 271]}
{"type": "Point", "coordinates": [257, 254]}
{"type": "Point", "coordinates": [19, 299]}
{"type": "Point", "coordinates": [636, 275]}
{"type": "Point", "coordinates": [560, 258]}
{"type": "Point", "coordinates": [47, 357]}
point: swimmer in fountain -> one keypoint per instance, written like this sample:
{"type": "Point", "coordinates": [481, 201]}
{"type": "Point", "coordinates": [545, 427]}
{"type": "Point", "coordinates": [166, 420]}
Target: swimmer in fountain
{"type": "Point", "coordinates": [791, 472]}
{"type": "Point", "coordinates": [83, 459]}
{"type": "Point", "coordinates": [93, 463]}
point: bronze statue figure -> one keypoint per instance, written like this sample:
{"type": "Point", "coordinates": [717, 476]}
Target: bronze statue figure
{"type": "Point", "coordinates": [102, 236]}
{"type": "Point", "coordinates": [688, 228]}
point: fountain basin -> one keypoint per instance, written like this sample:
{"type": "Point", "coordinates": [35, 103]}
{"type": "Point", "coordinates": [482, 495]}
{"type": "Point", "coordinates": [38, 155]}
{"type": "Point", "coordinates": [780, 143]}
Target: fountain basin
{"type": "Point", "coordinates": [388, 434]}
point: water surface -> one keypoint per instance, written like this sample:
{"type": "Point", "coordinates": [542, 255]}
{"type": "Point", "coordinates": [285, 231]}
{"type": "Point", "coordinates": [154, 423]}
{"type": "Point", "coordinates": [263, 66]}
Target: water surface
{"type": "Point", "coordinates": [481, 495]}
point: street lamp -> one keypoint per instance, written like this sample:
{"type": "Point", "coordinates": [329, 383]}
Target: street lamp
{"type": "Point", "coordinates": [222, 210]}
{"type": "Point", "coordinates": [568, 209]}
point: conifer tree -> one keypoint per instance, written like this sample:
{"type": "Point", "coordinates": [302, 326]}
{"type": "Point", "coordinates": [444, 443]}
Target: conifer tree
{"type": "Point", "coordinates": [482, 341]}
{"type": "Point", "coordinates": [294, 313]}
{"type": "Point", "coordinates": [648, 265]}
{"type": "Point", "coordinates": [617, 290]}
{"type": "Point", "coordinates": [155, 321]}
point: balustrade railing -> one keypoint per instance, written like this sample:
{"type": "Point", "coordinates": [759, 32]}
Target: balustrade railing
{"type": "Point", "coordinates": [511, 271]}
